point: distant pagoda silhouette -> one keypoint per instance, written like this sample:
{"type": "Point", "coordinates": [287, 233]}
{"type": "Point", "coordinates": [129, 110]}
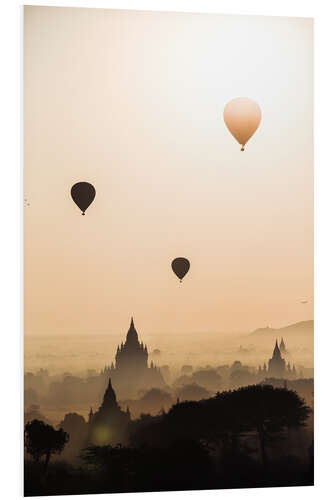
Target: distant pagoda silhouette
{"type": "Point", "coordinates": [282, 348]}
{"type": "Point", "coordinates": [131, 371]}
{"type": "Point", "coordinates": [132, 352]}
{"type": "Point", "coordinates": [277, 366]}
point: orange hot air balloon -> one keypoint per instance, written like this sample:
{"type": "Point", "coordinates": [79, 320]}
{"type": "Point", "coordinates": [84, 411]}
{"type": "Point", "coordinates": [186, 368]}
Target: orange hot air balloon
{"type": "Point", "coordinates": [242, 116]}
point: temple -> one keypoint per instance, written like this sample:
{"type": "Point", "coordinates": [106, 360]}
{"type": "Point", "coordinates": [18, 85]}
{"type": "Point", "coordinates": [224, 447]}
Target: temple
{"type": "Point", "coordinates": [277, 366]}
{"type": "Point", "coordinates": [108, 425]}
{"type": "Point", "coordinates": [132, 355]}
{"type": "Point", "coordinates": [131, 373]}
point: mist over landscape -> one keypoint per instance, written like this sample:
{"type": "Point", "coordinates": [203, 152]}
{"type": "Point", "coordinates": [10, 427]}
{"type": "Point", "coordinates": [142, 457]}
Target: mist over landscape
{"type": "Point", "coordinates": [79, 353]}
{"type": "Point", "coordinates": [86, 356]}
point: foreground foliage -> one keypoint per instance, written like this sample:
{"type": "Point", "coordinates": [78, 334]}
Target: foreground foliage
{"type": "Point", "coordinates": [237, 439]}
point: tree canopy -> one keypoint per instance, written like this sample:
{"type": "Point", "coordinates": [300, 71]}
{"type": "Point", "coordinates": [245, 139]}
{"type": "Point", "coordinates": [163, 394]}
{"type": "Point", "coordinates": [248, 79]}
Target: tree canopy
{"type": "Point", "coordinates": [258, 408]}
{"type": "Point", "coordinates": [42, 439]}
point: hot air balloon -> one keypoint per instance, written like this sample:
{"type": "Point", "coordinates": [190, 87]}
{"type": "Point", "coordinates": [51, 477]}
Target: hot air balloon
{"type": "Point", "coordinates": [83, 195]}
{"type": "Point", "coordinates": [180, 267]}
{"type": "Point", "coordinates": [242, 117]}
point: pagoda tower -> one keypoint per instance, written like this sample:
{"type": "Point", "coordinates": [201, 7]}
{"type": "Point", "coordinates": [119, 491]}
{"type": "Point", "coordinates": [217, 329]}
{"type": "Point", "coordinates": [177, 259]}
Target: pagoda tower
{"type": "Point", "coordinates": [131, 373]}
{"type": "Point", "coordinates": [109, 424]}
{"type": "Point", "coordinates": [276, 365]}
{"type": "Point", "coordinates": [283, 349]}
{"type": "Point", "coordinates": [132, 353]}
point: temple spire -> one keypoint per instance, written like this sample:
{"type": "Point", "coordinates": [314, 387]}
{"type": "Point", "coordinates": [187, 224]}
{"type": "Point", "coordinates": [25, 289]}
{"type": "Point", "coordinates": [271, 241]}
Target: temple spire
{"type": "Point", "coordinates": [109, 399]}
{"type": "Point", "coordinates": [282, 346]}
{"type": "Point", "coordinates": [132, 334]}
{"type": "Point", "coordinates": [276, 352]}
{"type": "Point", "coordinates": [91, 414]}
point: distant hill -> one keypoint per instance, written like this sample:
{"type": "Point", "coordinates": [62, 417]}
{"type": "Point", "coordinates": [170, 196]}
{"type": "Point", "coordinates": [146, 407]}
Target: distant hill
{"type": "Point", "coordinates": [301, 328]}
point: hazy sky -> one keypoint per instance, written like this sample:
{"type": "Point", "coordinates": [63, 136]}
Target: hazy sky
{"type": "Point", "coordinates": [132, 102]}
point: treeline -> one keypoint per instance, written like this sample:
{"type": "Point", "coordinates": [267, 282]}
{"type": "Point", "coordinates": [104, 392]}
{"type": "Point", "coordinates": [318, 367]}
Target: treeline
{"type": "Point", "coordinates": [240, 438]}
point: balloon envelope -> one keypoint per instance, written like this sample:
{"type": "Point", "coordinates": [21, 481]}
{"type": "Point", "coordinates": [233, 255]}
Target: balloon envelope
{"type": "Point", "coordinates": [180, 267]}
{"type": "Point", "coordinates": [83, 195]}
{"type": "Point", "coordinates": [242, 116]}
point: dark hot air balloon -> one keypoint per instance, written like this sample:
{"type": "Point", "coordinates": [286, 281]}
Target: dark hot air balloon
{"type": "Point", "coordinates": [83, 195]}
{"type": "Point", "coordinates": [180, 267]}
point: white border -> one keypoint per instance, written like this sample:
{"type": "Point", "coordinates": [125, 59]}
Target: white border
{"type": "Point", "coordinates": [12, 242]}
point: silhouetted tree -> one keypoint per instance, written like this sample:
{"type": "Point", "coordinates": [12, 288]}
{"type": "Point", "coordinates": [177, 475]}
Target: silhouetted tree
{"type": "Point", "coordinates": [184, 464]}
{"type": "Point", "coordinates": [72, 422]}
{"type": "Point", "coordinates": [209, 379]}
{"type": "Point", "coordinates": [42, 439]}
{"type": "Point", "coordinates": [192, 392]}
{"type": "Point", "coordinates": [77, 429]}
{"type": "Point", "coordinates": [154, 399]}
{"type": "Point", "coordinates": [267, 410]}
{"type": "Point", "coordinates": [118, 464]}
{"type": "Point", "coordinates": [241, 377]}
{"type": "Point", "coordinates": [107, 456]}
{"type": "Point", "coordinates": [221, 420]}
{"type": "Point", "coordinates": [183, 421]}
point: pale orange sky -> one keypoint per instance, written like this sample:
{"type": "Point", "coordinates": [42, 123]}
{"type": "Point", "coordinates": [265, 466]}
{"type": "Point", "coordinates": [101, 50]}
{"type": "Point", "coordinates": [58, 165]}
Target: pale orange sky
{"type": "Point", "coordinates": [132, 102]}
